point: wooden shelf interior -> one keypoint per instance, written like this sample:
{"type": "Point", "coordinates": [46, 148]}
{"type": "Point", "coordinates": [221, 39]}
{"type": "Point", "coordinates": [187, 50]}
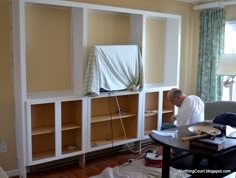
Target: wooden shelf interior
{"type": "Point", "coordinates": [71, 126]}
{"type": "Point", "coordinates": [151, 123]}
{"type": "Point", "coordinates": [166, 117]}
{"type": "Point", "coordinates": [42, 118]}
{"type": "Point", "coordinates": [167, 105]}
{"type": "Point", "coordinates": [71, 140]}
{"type": "Point", "coordinates": [151, 101]}
{"type": "Point", "coordinates": [108, 106]}
{"type": "Point", "coordinates": [168, 109]}
{"type": "Point", "coordinates": [112, 129]}
{"type": "Point", "coordinates": [106, 127]}
{"type": "Point", "coordinates": [71, 114]}
{"type": "Point", "coordinates": [151, 112]}
{"type": "Point", "coordinates": [43, 146]}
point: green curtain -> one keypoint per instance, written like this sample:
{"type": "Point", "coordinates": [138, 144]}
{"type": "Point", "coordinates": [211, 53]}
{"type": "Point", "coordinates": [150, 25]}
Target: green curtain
{"type": "Point", "coordinates": [211, 46]}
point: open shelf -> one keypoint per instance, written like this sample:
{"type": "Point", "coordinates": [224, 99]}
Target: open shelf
{"type": "Point", "coordinates": [71, 126]}
{"type": "Point", "coordinates": [43, 130]}
{"type": "Point", "coordinates": [151, 112]}
{"type": "Point", "coordinates": [43, 155]}
{"type": "Point", "coordinates": [43, 146]}
{"type": "Point", "coordinates": [168, 109]}
{"type": "Point", "coordinates": [106, 127]}
{"type": "Point", "coordinates": [71, 141]}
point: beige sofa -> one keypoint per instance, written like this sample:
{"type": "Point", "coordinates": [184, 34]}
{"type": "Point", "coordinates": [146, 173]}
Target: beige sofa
{"type": "Point", "coordinates": [215, 108]}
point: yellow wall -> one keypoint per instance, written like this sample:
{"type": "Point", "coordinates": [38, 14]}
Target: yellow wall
{"type": "Point", "coordinates": [7, 131]}
{"type": "Point", "coordinates": [155, 50]}
{"type": "Point", "coordinates": [188, 70]}
{"type": "Point", "coordinates": [48, 41]}
{"type": "Point", "coordinates": [48, 53]}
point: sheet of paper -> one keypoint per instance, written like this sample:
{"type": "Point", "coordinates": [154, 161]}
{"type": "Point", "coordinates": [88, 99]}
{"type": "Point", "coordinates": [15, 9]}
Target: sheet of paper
{"type": "Point", "coordinates": [169, 133]}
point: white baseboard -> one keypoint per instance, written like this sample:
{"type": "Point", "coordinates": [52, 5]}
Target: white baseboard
{"type": "Point", "coordinates": [12, 173]}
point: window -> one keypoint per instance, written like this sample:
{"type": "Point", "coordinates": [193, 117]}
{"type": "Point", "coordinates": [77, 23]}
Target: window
{"type": "Point", "coordinates": [230, 47]}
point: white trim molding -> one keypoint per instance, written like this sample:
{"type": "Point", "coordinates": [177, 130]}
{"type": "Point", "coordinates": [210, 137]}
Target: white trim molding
{"type": "Point", "coordinates": [219, 4]}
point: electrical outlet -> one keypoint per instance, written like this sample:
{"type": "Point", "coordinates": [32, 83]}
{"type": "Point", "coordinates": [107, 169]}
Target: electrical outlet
{"type": "Point", "coordinates": [3, 146]}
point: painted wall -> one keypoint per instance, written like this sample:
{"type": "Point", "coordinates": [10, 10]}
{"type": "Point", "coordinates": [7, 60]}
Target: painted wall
{"type": "Point", "coordinates": [7, 130]}
{"type": "Point", "coordinates": [188, 70]}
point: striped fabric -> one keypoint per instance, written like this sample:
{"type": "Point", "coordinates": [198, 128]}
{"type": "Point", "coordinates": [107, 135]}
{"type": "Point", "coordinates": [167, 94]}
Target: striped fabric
{"type": "Point", "coordinates": [113, 68]}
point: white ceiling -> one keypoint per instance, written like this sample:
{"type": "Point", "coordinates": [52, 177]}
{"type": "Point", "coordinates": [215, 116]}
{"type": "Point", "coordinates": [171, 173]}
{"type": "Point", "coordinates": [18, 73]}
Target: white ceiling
{"type": "Point", "coordinates": [200, 1]}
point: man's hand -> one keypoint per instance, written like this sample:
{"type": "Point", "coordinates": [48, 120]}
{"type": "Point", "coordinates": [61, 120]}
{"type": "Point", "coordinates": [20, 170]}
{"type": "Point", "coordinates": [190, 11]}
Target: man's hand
{"type": "Point", "coordinates": [172, 119]}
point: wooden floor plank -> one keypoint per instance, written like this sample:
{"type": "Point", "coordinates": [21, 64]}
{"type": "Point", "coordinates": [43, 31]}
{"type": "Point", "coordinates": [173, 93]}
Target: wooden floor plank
{"type": "Point", "coordinates": [93, 166]}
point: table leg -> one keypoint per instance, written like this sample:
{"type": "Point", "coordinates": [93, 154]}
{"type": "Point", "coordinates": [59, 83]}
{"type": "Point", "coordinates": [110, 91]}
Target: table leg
{"type": "Point", "coordinates": [166, 162]}
{"type": "Point", "coordinates": [196, 161]}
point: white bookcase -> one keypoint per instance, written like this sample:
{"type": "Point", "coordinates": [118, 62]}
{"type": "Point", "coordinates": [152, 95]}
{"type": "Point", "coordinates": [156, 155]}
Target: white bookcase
{"type": "Point", "coordinates": [51, 43]}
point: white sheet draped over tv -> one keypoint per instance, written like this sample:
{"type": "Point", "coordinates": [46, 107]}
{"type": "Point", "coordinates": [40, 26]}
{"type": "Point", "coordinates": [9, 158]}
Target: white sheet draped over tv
{"type": "Point", "coordinates": [113, 68]}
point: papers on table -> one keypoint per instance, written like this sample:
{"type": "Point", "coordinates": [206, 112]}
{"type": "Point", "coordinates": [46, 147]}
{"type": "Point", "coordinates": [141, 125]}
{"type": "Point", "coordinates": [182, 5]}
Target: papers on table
{"type": "Point", "coordinates": [167, 133]}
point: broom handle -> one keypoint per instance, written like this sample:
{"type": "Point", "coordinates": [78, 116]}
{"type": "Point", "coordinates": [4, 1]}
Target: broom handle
{"type": "Point", "coordinates": [183, 139]}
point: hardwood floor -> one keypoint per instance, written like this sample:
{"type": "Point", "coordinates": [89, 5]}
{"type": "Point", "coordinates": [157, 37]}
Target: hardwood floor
{"type": "Point", "coordinates": [94, 166]}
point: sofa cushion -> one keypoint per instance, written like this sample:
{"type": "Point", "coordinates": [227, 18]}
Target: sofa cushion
{"type": "Point", "coordinates": [212, 109]}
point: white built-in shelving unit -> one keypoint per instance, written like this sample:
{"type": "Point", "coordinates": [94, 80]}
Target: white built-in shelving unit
{"type": "Point", "coordinates": [51, 44]}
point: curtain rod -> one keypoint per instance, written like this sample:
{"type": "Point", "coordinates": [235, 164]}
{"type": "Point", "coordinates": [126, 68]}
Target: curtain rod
{"type": "Point", "coordinates": [219, 4]}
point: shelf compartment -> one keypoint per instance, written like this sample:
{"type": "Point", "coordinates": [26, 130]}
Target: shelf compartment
{"type": "Point", "coordinates": [167, 105]}
{"type": "Point", "coordinates": [107, 105]}
{"type": "Point", "coordinates": [42, 118]}
{"type": "Point", "coordinates": [104, 127]}
{"type": "Point", "coordinates": [43, 146]}
{"type": "Point", "coordinates": [71, 126]}
{"type": "Point", "coordinates": [105, 132]}
{"type": "Point", "coordinates": [71, 141]}
{"type": "Point", "coordinates": [166, 117]}
{"type": "Point", "coordinates": [151, 112]}
{"type": "Point", "coordinates": [168, 109]}
{"type": "Point", "coordinates": [151, 101]}
{"type": "Point", "coordinates": [150, 124]}
{"type": "Point", "coordinates": [71, 113]}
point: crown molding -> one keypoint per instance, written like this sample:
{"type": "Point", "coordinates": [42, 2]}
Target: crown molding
{"type": "Point", "coordinates": [218, 4]}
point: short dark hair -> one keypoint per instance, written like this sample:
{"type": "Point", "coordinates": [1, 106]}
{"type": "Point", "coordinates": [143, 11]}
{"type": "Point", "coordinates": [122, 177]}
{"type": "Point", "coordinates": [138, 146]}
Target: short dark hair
{"type": "Point", "coordinates": [177, 93]}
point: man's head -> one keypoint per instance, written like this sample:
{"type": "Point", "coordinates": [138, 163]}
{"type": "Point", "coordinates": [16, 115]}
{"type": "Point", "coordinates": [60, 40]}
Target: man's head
{"type": "Point", "coordinates": [176, 96]}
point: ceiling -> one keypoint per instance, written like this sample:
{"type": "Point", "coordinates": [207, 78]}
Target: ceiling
{"type": "Point", "coordinates": [205, 4]}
